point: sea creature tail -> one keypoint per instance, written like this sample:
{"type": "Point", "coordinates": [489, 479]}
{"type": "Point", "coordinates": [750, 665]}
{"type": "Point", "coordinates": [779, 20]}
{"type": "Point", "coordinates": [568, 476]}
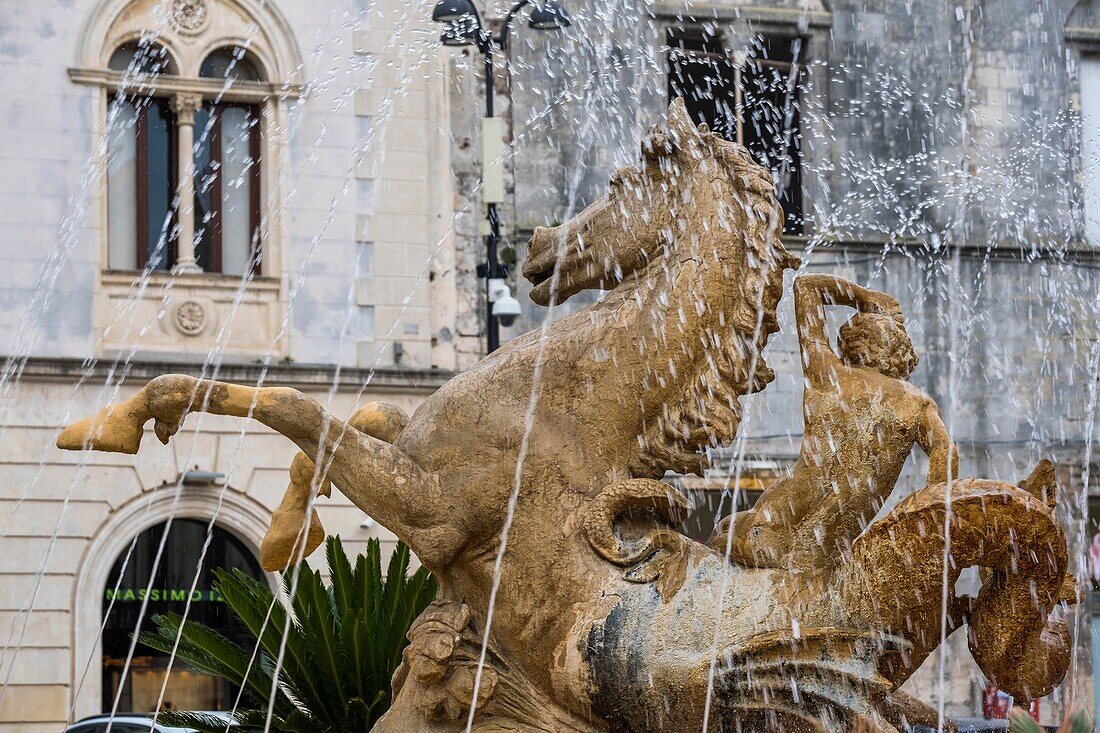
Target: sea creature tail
{"type": "Point", "coordinates": [896, 580]}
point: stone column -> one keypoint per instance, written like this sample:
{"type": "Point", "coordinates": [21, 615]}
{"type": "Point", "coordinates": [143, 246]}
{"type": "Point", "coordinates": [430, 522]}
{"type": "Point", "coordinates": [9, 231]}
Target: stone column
{"type": "Point", "coordinates": [185, 106]}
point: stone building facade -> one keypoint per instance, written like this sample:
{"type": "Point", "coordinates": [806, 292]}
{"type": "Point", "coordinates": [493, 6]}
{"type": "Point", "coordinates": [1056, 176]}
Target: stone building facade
{"type": "Point", "coordinates": [333, 169]}
{"type": "Point", "coordinates": [943, 152]}
{"type": "Point", "coordinates": [255, 190]}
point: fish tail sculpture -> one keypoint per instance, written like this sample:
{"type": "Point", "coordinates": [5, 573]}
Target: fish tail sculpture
{"type": "Point", "coordinates": [896, 580]}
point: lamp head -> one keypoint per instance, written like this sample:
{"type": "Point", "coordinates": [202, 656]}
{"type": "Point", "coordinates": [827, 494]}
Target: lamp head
{"type": "Point", "coordinates": [549, 15]}
{"type": "Point", "coordinates": [447, 11]}
{"type": "Point", "coordinates": [457, 33]}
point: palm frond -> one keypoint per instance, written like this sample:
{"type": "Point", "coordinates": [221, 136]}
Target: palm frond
{"type": "Point", "coordinates": [339, 568]}
{"type": "Point", "coordinates": [252, 602]}
{"type": "Point", "coordinates": [1019, 721]}
{"type": "Point", "coordinates": [339, 645]}
{"type": "Point", "coordinates": [204, 649]}
{"type": "Point", "coordinates": [202, 722]}
{"type": "Point", "coordinates": [318, 623]}
{"type": "Point", "coordinates": [1078, 722]}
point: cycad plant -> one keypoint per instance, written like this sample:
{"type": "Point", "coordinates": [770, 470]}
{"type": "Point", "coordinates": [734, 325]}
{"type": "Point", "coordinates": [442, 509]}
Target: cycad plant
{"type": "Point", "coordinates": [1077, 722]}
{"type": "Point", "coordinates": [343, 642]}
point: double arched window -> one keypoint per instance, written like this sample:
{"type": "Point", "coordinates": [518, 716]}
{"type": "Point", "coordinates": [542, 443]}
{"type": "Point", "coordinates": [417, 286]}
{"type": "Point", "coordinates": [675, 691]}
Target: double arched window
{"type": "Point", "coordinates": [184, 163]}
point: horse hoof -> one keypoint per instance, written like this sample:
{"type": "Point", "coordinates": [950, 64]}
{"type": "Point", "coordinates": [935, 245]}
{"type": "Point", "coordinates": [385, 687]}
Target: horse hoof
{"type": "Point", "coordinates": [279, 548]}
{"type": "Point", "coordinates": [112, 429]}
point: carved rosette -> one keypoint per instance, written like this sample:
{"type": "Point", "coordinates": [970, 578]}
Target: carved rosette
{"type": "Point", "coordinates": [189, 17]}
{"type": "Point", "coordinates": [190, 318]}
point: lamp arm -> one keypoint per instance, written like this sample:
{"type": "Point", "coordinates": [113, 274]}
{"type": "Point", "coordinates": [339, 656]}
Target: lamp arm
{"type": "Point", "coordinates": [506, 24]}
{"type": "Point", "coordinates": [477, 16]}
{"type": "Point", "coordinates": [484, 37]}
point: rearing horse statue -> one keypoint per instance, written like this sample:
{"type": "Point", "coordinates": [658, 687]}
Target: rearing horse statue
{"type": "Point", "coordinates": [606, 617]}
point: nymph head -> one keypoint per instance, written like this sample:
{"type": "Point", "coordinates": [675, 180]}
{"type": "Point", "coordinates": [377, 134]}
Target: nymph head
{"type": "Point", "coordinates": [878, 342]}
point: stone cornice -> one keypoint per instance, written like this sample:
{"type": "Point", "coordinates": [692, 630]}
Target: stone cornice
{"type": "Point", "coordinates": [725, 11]}
{"type": "Point", "coordinates": [1083, 35]}
{"type": "Point", "coordinates": [301, 376]}
{"type": "Point", "coordinates": [168, 84]}
{"type": "Point", "coordinates": [1073, 253]}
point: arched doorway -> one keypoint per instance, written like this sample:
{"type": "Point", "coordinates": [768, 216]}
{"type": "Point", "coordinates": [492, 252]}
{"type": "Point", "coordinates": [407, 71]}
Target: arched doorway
{"type": "Point", "coordinates": [128, 585]}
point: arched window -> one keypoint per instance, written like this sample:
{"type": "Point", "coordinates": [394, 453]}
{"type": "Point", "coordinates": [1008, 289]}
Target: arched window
{"type": "Point", "coordinates": [231, 63]}
{"type": "Point", "coordinates": [142, 57]}
{"type": "Point", "coordinates": [141, 162]}
{"type": "Point", "coordinates": [141, 182]}
{"type": "Point", "coordinates": [151, 127]}
{"type": "Point", "coordinates": [132, 581]}
{"type": "Point", "coordinates": [157, 65]}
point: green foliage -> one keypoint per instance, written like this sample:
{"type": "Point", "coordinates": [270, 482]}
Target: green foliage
{"type": "Point", "coordinates": [1076, 722]}
{"type": "Point", "coordinates": [343, 643]}
{"type": "Point", "coordinates": [1020, 722]}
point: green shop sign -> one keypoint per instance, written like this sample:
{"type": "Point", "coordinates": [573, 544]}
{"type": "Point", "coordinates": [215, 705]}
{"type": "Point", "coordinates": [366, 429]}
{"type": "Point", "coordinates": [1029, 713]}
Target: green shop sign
{"type": "Point", "coordinates": [165, 595]}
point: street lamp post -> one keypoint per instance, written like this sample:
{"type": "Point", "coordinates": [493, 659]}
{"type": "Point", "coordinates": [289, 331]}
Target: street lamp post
{"type": "Point", "coordinates": [465, 28]}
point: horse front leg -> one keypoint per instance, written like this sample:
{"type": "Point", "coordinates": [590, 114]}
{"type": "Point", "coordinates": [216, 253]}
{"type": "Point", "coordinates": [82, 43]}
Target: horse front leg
{"type": "Point", "coordinates": [168, 399]}
{"type": "Point", "coordinates": [296, 515]}
{"type": "Point", "coordinates": [378, 477]}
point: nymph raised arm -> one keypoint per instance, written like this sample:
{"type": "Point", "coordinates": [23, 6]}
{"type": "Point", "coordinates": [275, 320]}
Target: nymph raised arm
{"type": "Point", "coordinates": [811, 294]}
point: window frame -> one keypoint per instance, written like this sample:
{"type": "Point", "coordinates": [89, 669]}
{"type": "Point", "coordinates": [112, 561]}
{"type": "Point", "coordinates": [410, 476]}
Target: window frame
{"type": "Point", "coordinates": [141, 183]}
{"type": "Point", "coordinates": [143, 91]}
{"type": "Point", "coordinates": [1082, 42]}
{"type": "Point", "coordinates": [255, 181]}
{"type": "Point", "coordinates": [738, 60]}
{"type": "Point", "coordinates": [142, 104]}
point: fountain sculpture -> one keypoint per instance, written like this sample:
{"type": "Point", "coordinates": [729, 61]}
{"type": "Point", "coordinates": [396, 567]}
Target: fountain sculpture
{"type": "Point", "coordinates": [606, 618]}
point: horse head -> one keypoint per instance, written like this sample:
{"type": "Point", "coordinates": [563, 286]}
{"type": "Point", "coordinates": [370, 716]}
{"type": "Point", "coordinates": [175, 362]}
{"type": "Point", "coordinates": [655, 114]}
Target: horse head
{"type": "Point", "coordinates": [690, 188]}
{"type": "Point", "coordinates": [696, 226]}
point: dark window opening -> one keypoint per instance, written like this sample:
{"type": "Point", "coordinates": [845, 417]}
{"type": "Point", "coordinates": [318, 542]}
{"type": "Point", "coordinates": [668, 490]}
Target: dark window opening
{"type": "Point", "coordinates": [132, 580]}
{"type": "Point", "coordinates": [751, 97]}
{"type": "Point", "coordinates": [141, 58]}
{"type": "Point", "coordinates": [231, 63]}
{"type": "Point", "coordinates": [701, 73]}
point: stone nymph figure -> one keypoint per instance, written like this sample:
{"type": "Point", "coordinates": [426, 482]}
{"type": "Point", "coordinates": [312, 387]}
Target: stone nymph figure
{"type": "Point", "coordinates": [606, 618]}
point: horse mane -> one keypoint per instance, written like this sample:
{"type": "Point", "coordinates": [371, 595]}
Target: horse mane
{"type": "Point", "coordinates": [707, 413]}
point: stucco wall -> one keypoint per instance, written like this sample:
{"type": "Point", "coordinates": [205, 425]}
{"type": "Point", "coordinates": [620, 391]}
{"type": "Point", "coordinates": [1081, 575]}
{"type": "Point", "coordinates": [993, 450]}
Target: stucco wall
{"type": "Point", "coordinates": [364, 162]}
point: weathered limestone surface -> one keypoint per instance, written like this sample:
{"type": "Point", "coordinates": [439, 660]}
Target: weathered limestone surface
{"type": "Point", "coordinates": [605, 616]}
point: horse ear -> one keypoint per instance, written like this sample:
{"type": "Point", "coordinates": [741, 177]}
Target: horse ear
{"type": "Point", "coordinates": [680, 126]}
{"type": "Point", "coordinates": [681, 138]}
{"type": "Point", "coordinates": [682, 131]}
{"type": "Point", "coordinates": [656, 146]}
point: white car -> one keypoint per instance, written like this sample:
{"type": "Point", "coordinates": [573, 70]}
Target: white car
{"type": "Point", "coordinates": [127, 723]}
